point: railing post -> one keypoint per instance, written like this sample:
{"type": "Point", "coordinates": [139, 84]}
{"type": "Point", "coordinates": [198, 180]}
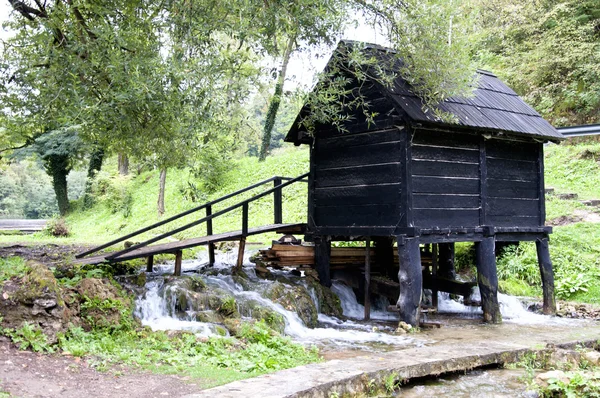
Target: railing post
{"type": "Point", "coordinates": [209, 231]}
{"type": "Point", "coordinates": [245, 219]}
{"type": "Point", "coordinates": [277, 202]}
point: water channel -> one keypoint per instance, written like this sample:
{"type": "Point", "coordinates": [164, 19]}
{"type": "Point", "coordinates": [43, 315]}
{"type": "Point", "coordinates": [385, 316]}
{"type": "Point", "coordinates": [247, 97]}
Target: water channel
{"type": "Point", "coordinates": [343, 337]}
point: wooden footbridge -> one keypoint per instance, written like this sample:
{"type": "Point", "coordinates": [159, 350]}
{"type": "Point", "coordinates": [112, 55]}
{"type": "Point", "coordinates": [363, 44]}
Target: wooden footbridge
{"type": "Point", "coordinates": [148, 250]}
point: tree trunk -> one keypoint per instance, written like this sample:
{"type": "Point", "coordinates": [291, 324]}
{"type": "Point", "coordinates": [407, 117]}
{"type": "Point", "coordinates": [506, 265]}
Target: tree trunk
{"type": "Point", "coordinates": [275, 101]}
{"type": "Point", "coordinates": [58, 168]}
{"type": "Point", "coordinates": [161, 191]}
{"type": "Point", "coordinates": [94, 167]}
{"type": "Point", "coordinates": [123, 164]}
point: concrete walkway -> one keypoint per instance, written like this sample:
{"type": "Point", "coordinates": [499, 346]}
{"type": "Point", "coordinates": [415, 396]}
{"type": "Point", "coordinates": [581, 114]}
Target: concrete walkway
{"type": "Point", "coordinates": [448, 349]}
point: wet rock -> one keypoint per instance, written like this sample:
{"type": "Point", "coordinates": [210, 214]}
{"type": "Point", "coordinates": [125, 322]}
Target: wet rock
{"type": "Point", "coordinates": [404, 326]}
{"type": "Point", "coordinates": [208, 316]}
{"type": "Point", "coordinates": [296, 299]}
{"type": "Point", "coordinates": [253, 309]}
{"type": "Point", "coordinates": [329, 302]}
{"type": "Point", "coordinates": [564, 359]}
{"type": "Point", "coordinates": [543, 379]}
{"type": "Point", "coordinates": [234, 326]}
{"type": "Point", "coordinates": [592, 357]}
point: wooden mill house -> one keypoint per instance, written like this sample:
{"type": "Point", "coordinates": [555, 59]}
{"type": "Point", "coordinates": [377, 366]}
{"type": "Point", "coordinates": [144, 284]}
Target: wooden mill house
{"type": "Point", "coordinates": [410, 178]}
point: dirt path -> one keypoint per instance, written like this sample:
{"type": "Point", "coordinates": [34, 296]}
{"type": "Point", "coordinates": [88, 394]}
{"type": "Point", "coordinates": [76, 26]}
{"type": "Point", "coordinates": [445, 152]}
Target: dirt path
{"type": "Point", "coordinates": [27, 374]}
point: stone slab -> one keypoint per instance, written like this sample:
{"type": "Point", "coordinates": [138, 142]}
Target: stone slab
{"type": "Point", "coordinates": [445, 350]}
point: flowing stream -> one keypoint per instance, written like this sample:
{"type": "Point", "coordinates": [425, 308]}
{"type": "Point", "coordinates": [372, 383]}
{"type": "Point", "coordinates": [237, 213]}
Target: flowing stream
{"type": "Point", "coordinates": [160, 308]}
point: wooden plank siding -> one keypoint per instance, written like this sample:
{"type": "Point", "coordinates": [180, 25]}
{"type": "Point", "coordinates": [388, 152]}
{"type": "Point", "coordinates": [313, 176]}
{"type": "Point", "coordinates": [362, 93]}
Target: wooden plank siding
{"type": "Point", "coordinates": [445, 179]}
{"type": "Point", "coordinates": [357, 179]}
{"type": "Point", "coordinates": [513, 183]}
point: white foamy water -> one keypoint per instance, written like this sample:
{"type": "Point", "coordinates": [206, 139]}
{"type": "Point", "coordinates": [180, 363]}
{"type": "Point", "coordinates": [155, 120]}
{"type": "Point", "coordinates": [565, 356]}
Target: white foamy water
{"type": "Point", "coordinates": [511, 308]}
{"type": "Point", "coordinates": [154, 311]}
{"type": "Point", "coordinates": [353, 309]}
{"type": "Point", "coordinates": [341, 332]}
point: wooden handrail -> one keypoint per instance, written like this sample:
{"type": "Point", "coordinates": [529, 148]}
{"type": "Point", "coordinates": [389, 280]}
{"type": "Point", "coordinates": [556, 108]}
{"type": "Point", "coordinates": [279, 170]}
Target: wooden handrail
{"type": "Point", "coordinates": [210, 217]}
{"type": "Point", "coordinates": [178, 216]}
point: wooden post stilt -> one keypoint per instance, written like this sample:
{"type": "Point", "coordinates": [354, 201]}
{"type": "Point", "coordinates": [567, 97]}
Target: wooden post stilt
{"type": "Point", "coordinates": [384, 255]}
{"type": "Point", "coordinates": [368, 280]}
{"type": "Point", "coordinates": [178, 259]}
{"type": "Point", "coordinates": [149, 263]}
{"type": "Point", "coordinates": [209, 231]}
{"type": "Point", "coordinates": [322, 256]}
{"type": "Point", "coordinates": [410, 279]}
{"type": "Point", "coordinates": [487, 279]}
{"type": "Point", "coordinates": [434, 274]}
{"type": "Point", "coordinates": [240, 258]}
{"type": "Point", "coordinates": [446, 261]}
{"type": "Point", "coordinates": [211, 254]}
{"type": "Point", "coordinates": [547, 274]}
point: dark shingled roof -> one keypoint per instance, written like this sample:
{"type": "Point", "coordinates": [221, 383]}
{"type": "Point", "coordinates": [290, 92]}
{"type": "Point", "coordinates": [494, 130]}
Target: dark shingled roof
{"type": "Point", "coordinates": [494, 106]}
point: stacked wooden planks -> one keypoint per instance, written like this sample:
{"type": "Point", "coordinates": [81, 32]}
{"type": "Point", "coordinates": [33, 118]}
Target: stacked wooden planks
{"type": "Point", "coordinates": [296, 255]}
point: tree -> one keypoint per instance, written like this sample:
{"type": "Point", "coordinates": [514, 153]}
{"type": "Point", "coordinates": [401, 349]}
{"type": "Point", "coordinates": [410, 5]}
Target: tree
{"type": "Point", "coordinates": [122, 72]}
{"type": "Point", "coordinates": [58, 150]}
{"type": "Point", "coordinates": [549, 53]}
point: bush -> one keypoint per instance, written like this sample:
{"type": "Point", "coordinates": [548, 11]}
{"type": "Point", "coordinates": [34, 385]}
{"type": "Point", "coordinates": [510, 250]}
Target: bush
{"type": "Point", "coordinates": [114, 191]}
{"type": "Point", "coordinates": [57, 227]}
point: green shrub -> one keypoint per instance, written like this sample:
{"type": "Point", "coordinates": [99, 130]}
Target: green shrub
{"type": "Point", "coordinates": [57, 227]}
{"type": "Point", "coordinates": [29, 336]}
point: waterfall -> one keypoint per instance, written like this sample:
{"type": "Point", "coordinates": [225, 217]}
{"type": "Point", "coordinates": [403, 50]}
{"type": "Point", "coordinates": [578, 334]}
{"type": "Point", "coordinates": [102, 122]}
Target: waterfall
{"type": "Point", "coordinates": [156, 309]}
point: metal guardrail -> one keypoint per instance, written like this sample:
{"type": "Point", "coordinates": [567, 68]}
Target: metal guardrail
{"type": "Point", "coordinates": [580, 131]}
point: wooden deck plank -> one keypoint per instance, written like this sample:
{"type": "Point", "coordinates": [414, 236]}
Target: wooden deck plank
{"type": "Point", "coordinates": [173, 247]}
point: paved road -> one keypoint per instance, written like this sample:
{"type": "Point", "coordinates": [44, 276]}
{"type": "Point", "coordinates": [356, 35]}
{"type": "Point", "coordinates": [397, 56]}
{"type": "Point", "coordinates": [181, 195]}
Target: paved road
{"type": "Point", "coordinates": [26, 226]}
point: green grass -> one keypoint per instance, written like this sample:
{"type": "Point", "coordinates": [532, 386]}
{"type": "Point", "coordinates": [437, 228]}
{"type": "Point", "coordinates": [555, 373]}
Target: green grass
{"type": "Point", "coordinates": [12, 266]}
{"type": "Point", "coordinates": [574, 168]}
{"type": "Point", "coordinates": [108, 219]}
{"type": "Point", "coordinates": [575, 254]}
{"type": "Point", "coordinates": [213, 361]}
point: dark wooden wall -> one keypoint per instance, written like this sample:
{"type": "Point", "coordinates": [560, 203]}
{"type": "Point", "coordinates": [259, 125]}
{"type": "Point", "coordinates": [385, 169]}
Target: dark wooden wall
{"type": "Point", "coordinates": [361, 181]}
{"type": "Point", "coordinates": [357, 179]}
{"type": "Point", "coordinates": [445, 179]}
{"type": "Point", "coordinates": [514, 186]}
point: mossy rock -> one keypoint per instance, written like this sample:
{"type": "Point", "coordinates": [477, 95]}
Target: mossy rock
{"type": "Point", "coordinates": [253, 309]}
{"type": "Point", "coordinates": [36, 298]}
{"type": "Point", "coordinates": [103, 306]}
{"type": "Point", "coordinates": [329, 302]}
{"type": "Point", "coordinates": [38, 283]}
{"type": "Point", "coordinates": [295, 299]}
{"type": "Point", "coordinates": [208, 316]}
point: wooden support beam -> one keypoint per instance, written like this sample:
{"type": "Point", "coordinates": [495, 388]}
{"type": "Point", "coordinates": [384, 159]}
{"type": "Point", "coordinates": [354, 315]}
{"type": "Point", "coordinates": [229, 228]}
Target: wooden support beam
{"type": "Point", "coordinates": [209, 232]}
{"type": "Point", "coordinates": [434, 273]}
{"type": "Point", "coordinates": [547, 274]}
{"type": "Point", "coordinates": [384, 253]}
{"type": "Point", "coordinates": [322, 257]}
{"type": "Point", "coordinates": [410, 279]}
{"type": "Point", "coordinates": [446, 261]}
{"type": "Point", "coordinates": [178, 259]}
{"type": "Point", "coordinates": [487, 279]}
{"type": "Point", "coordinates": [149, 263]}
{"type": "Point", "coordinates": [211, 254]}
{"type": "Point", "coordinates": [240, 258]}
{"type": "Point", "coordinates": [368, 280]}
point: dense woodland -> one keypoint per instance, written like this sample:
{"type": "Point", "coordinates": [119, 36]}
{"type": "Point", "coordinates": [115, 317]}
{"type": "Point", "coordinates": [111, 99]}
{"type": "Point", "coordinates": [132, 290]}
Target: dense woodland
{"type": "Point", "coordinates": [198, 84]}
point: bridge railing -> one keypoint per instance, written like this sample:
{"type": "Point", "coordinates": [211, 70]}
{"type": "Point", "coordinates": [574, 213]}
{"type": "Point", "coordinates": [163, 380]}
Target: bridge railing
{"type": "Point", "coordinates": [278, 185]}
